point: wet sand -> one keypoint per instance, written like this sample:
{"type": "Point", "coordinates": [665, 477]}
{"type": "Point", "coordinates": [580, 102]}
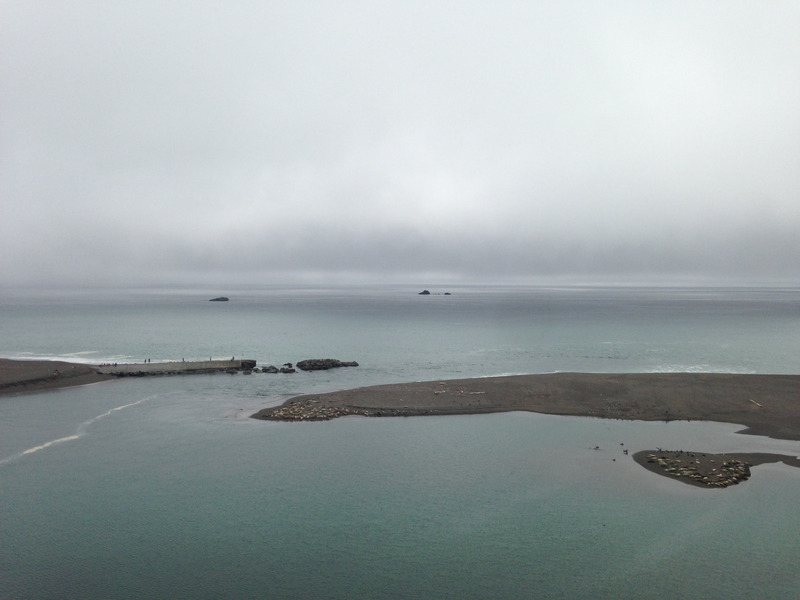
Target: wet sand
{"type": "Point", "coordinates": [766, 405]}
{"type": "Point", "coordinates": [22, 376]}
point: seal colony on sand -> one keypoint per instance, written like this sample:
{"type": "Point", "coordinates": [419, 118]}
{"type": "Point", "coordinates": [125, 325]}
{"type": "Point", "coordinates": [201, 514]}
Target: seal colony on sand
{"type": "Point", "coordinates": [708, 470]}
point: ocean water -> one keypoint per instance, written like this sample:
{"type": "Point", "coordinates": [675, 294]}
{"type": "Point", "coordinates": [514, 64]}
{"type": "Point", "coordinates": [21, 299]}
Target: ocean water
{"type": "Point", "coordinates": [165, 488]}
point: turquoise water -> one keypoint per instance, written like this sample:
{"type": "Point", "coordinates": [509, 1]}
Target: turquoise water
{"type": "Point", "coordinates": [165, 488]}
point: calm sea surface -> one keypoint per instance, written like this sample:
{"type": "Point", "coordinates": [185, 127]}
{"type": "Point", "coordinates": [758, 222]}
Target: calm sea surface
{"type": "Point", "coordinates": [164, 488]}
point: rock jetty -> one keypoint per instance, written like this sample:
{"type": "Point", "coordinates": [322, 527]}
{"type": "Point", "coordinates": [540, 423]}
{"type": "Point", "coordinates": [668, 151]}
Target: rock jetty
{"type": "Point", "coordinates": [175, 368]}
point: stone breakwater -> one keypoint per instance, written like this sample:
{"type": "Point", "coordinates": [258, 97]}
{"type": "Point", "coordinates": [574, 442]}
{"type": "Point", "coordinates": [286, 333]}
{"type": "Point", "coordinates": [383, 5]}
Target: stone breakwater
{"type": "Point", "coordinates": [176, 368]}
{"type": "Point", "coordinates": [697, 468]}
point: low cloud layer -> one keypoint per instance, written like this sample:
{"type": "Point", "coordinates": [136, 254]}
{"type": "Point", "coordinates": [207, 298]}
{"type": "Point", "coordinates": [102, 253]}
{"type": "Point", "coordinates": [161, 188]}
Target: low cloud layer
{"type": "Point", "coordinates": [195, 143]}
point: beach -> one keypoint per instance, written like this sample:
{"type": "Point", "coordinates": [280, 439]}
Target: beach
{"type": "Point", "coordinates": [22, 376]}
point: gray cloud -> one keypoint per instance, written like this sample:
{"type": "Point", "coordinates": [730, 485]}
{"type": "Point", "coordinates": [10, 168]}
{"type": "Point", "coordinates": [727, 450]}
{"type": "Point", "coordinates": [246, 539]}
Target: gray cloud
{"type": "Point", "coordinates": [145, 143]}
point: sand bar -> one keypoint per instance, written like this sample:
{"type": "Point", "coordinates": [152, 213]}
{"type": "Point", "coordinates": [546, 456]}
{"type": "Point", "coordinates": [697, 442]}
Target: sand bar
{"type": "Point", "coordinates": [766, 405]}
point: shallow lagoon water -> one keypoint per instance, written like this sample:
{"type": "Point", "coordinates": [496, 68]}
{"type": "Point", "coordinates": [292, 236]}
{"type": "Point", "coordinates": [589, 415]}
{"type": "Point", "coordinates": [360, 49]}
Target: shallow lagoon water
{"type": "Point", "coordinates": [152, 500]}
{"type": "Point", "coordinates": [164, 487]}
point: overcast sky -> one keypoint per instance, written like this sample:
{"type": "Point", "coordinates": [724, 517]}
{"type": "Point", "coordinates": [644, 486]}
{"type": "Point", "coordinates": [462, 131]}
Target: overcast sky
{"type": "Point", "coordinates": [175, 143]}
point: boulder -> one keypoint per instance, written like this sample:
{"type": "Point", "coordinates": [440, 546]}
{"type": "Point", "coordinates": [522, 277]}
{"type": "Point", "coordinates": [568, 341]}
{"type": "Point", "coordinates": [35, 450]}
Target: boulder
{"type": "Point", "coordinates": [424, 293]}
{"type": "Point", "coordinates": [270, 369]}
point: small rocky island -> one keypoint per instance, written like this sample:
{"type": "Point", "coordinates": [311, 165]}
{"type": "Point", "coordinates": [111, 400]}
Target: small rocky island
{"type": "Point", "coordinates": [219, 299]}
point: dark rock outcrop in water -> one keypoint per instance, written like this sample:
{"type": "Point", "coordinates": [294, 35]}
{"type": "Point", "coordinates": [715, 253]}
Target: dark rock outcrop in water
{"type": "Point", "coordinates": [424, 293]}
{"type": "Point", "coordinates": [272, 369]}
{"type": "Point", "coordinates": [322, 364]}
{"type": "Point", "coordinates": [219, 299]}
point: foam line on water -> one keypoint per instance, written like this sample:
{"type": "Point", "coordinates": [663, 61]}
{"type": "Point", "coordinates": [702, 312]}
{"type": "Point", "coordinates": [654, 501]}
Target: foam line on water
{"type": "Point", "coordinates": [79, 434]}
{"type": "Point", "coordinates": [48, 444]}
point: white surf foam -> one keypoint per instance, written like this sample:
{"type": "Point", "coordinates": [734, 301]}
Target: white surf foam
{"type": "Point", "coordinates": [86, 357]}
{"type": "Point", "coordinates": [79, 434]}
